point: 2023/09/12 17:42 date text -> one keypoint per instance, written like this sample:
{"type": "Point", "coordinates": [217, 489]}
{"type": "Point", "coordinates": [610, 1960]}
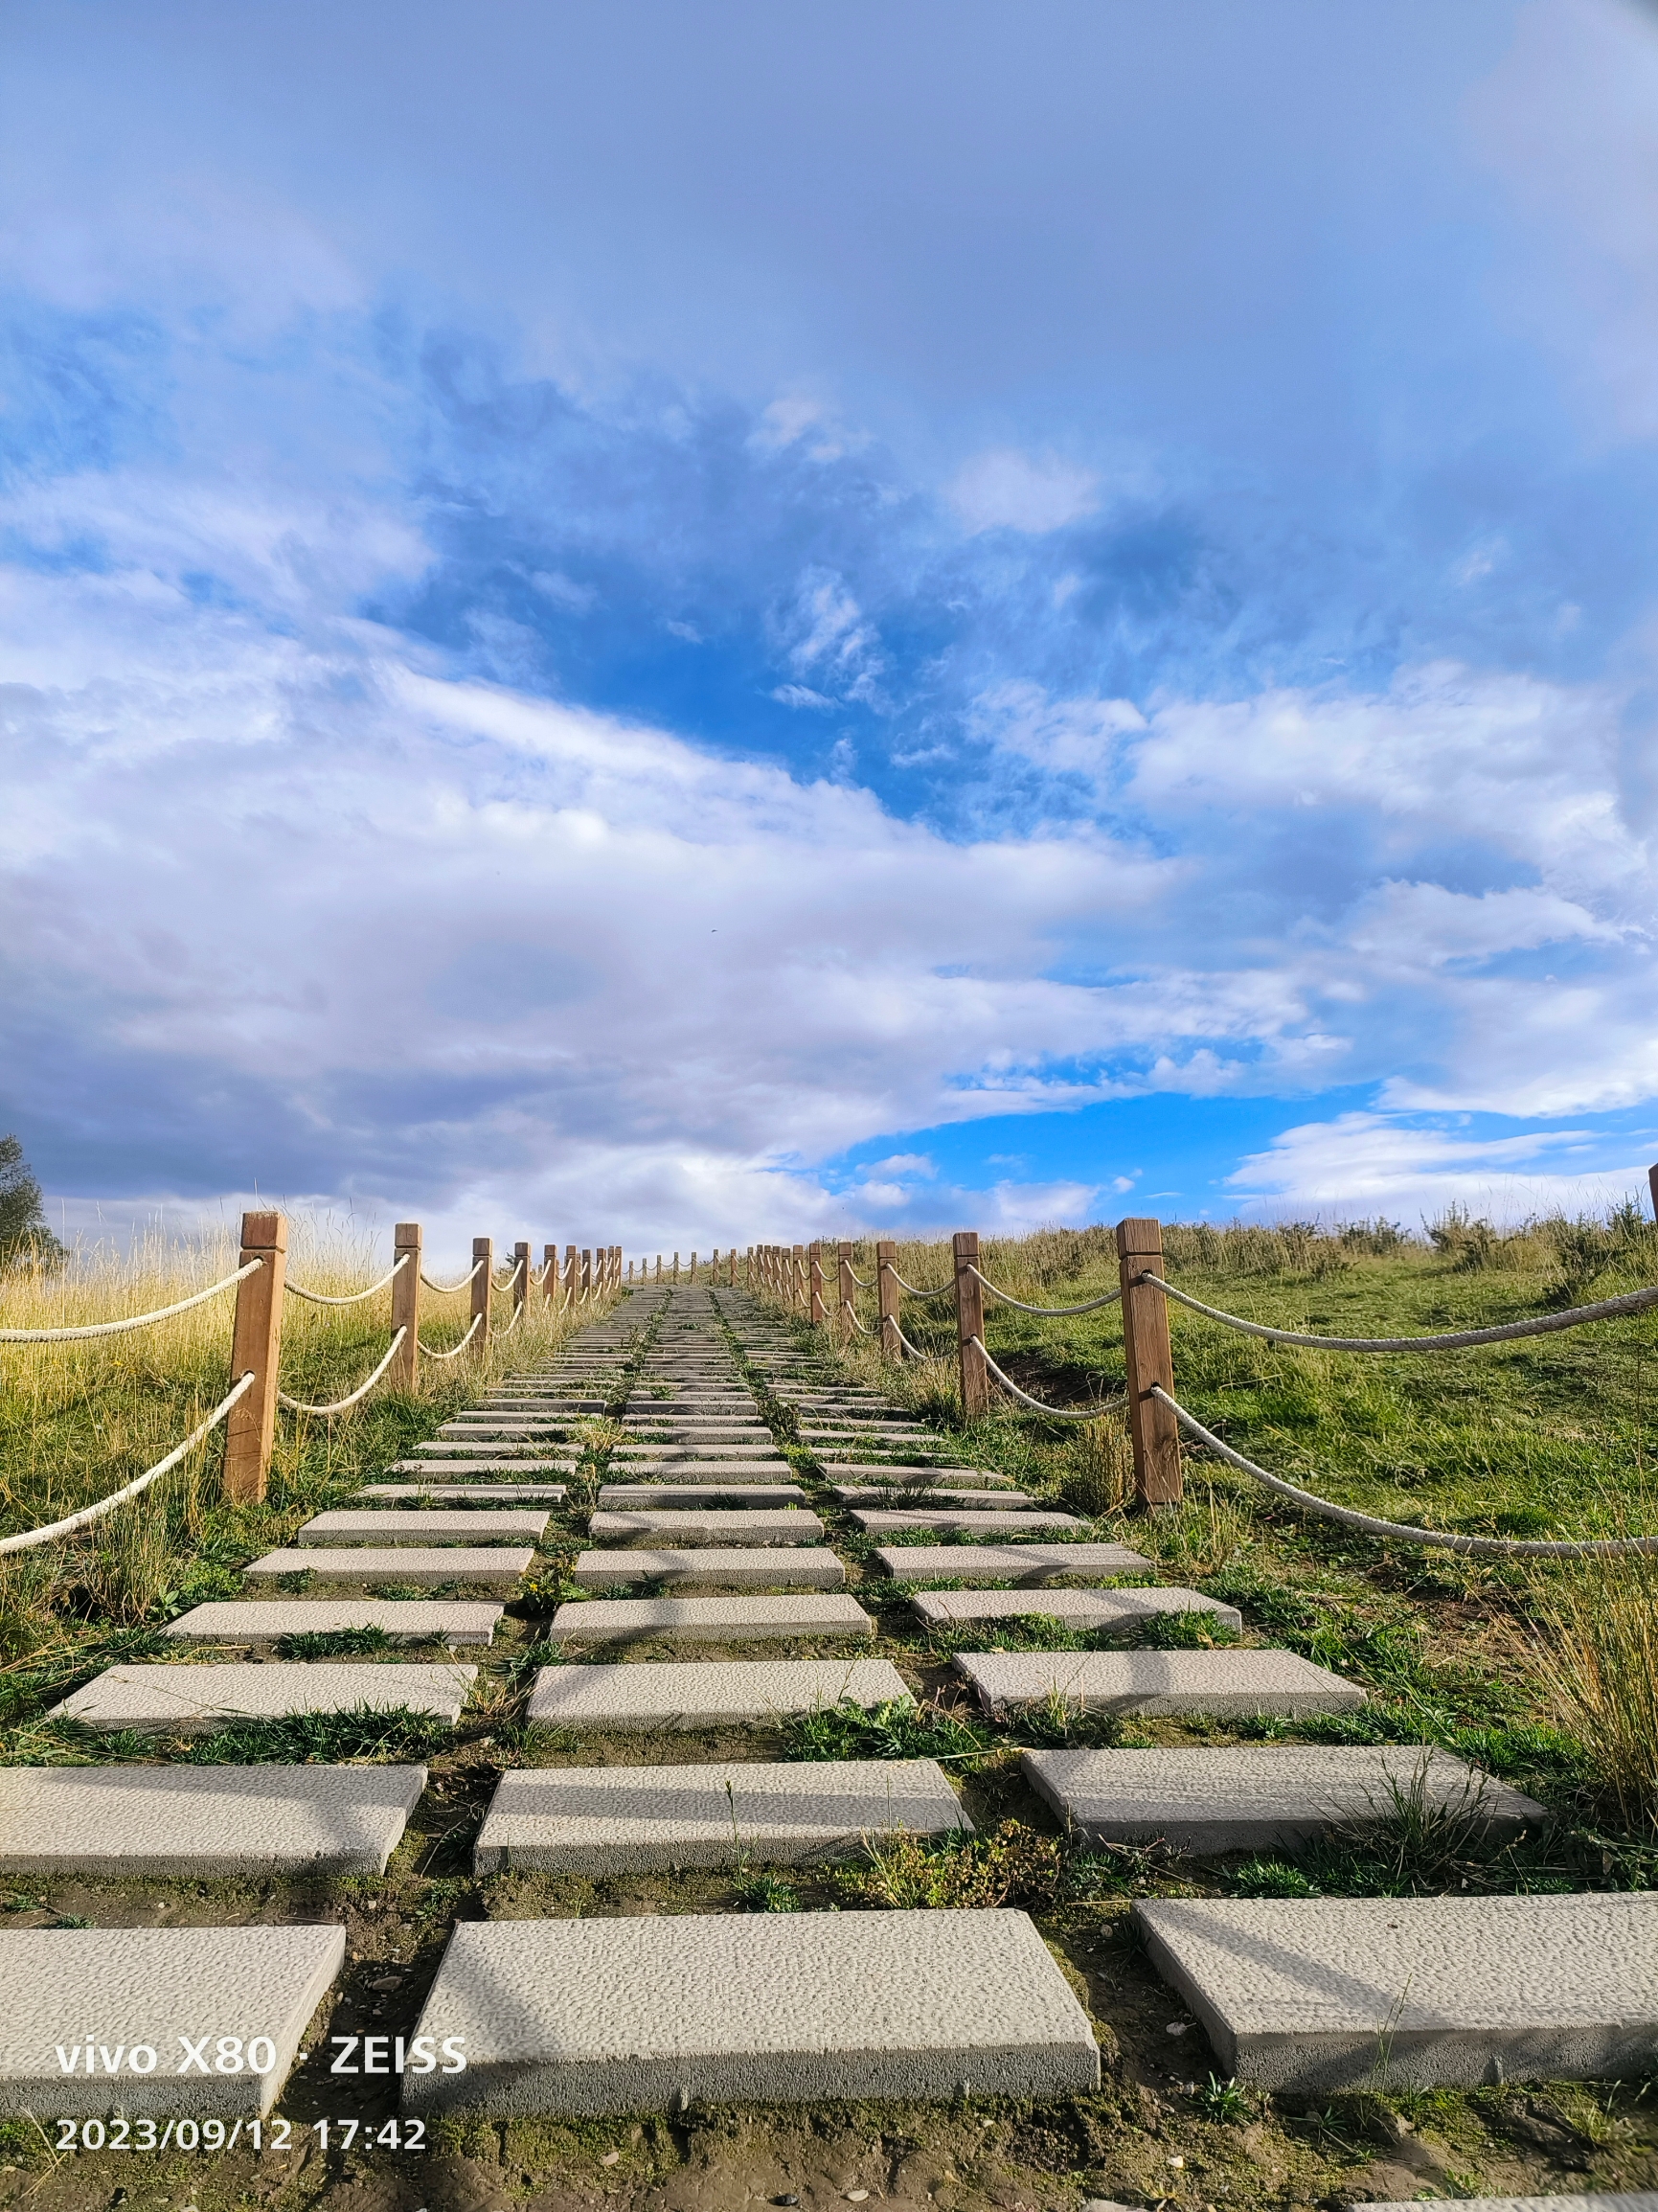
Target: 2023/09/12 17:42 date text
{"type": "Point", "coordinates": [258, 2135]}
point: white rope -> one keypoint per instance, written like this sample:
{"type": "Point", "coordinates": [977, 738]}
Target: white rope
{"type": "Point", "coordinates": [1458, 1341]}
{"type": "Point", "coordinates": [943, 1290]}
{"type": "Point", "coordinates": [911, 1349]}
{"type": "Point", "coordinates": [455, 1349]}
{"type": "Point", "coordinates": [444, 1288]}
{"type": "Point", "coordinates": [294, 1406]}
{"type": "Point", "coordinates": [1052, 1412]}
{"type": "Point", "coordinates": [136, 1320]}
{"type": "Point", "coordinates": [321, 1298]}
{"type": "Point", "coordinates": [847, 1309]}
{"type": "Point", "coordinates": [856, 1277]}
{"type": "Point", "coordinates": [32, 1536]}
{"type": "Point", "coordinates": [1093, 1305]}
{"type": "Point", "coordinates": [517, 1316]}
{"type": "Point", "coordinates": [1498, 1546]}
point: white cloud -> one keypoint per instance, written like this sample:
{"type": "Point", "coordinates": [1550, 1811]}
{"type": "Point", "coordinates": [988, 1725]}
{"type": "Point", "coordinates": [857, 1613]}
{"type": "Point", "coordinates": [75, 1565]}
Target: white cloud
{"type": "Point", "coordinates": [1007, 489]}
{"type": "Point", "coordinates": [800, 695]}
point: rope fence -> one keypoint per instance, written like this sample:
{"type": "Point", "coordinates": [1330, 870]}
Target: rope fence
{"type": "Point", "coordinates": [797, 1278]}
{"type": "Point", "coordinates": [132, 1321]}
{"type": "Point", "coordinates": [351, 1297]}
{"type": "Point", "coordinates": [344, 1404]}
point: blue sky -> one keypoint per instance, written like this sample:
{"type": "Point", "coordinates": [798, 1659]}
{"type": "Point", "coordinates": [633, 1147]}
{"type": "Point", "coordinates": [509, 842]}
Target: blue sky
{"type": "Point", "coordinates": [707, 623]}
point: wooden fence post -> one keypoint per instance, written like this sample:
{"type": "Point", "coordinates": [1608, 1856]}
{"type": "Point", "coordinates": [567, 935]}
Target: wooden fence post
{"type": "Point", "coordinates": [886, 1294]}
{"type": "Point", "coordinates": [797, 1278]}
{"type": "Point", "coordinates": [586, 1271]}
{"type": "Point", "coordinates": [814, 1282]}
{"type": "Point", "coordinates": [549, 1272]}
{"type": "Point", "coordinates": [1653, 1186]}
{"type": "Point", "coordinates": [846, 1291]}
{"type": "Point", "coordinates": [1152, 1428]}
{"type": "Point", "coordinates": [730, 1268]}
{"type": "Point", "coordinates": [676, 1266]}
{"type": "Point", "coordinates": [256, 1347]}
{"type": "Point", "coordinates": [970, 1324]}
{"type": "Point", "coordinates": [405, 1368]}
{"type": "Point", "coordinates": [570, 1273]}
{"type": "Point", "coordinates": [521, 1280]}
{"type": "Point", "coordinates": [483, 1249]}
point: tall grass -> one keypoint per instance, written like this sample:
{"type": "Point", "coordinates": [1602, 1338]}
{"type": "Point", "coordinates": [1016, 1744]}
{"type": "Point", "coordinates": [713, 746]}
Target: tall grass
{"type": "Point", "coordinates": [1600, 1657]}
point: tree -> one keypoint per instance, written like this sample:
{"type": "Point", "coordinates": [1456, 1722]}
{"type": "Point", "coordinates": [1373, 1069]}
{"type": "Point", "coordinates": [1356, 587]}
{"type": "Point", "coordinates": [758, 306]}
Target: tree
{"type": "Point", "coordinates": [24, 1234]}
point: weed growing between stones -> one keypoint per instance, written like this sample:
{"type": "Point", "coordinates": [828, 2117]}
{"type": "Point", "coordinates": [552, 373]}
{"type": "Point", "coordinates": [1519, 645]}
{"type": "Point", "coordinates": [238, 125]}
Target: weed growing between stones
{"type": "Point", "coordinates": [361, 1732]}
{"type": "Point", "coordinates": [895, 1730]}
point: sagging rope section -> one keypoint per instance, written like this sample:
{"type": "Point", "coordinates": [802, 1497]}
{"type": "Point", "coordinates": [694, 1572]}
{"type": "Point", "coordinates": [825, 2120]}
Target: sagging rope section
{"type": "Point", "coordinates": [943, 1290]}
{"type": "Point", "coordinates": [352, 1297]}
{"type": "Point", "coordinates": [1052, 1412]}
{"type": "Point", "coordinates": [1090, 1306]}
{"type": "Point", "coordinates": [133, 1321]}
{"type": "Point", "coordinates": [1484, 1546]}
{"type": "Point", "coordinates": [455, 1350]}
{"type": "Point", "coordinates": [445, 1289]}
{"type": "Point", "coordinates": [1454, 1340]}
{"type": "Point", "coordinates": [344, 1404]}
{"type": "Point", "coordinates": [28, 1538]}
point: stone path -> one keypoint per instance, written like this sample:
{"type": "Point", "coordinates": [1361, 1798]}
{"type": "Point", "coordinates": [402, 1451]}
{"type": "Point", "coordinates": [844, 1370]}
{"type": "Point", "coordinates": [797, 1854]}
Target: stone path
{"type": "Point", "coordinates": [706, 1534]}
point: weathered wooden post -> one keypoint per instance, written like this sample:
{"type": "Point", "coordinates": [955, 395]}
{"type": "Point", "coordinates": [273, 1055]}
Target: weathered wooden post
{"type": "Point", "coordinates": [797, 1278]}
{"type": "Point", "coordinates": [846, 1292]}
{"type": "Point", "coordinates": [970, 1326]}
{"type": "Point", "coordinates": [1653, 1186]}
{"type": "Point", "coordinates": [549, 1272]}
{"type": "Point", "coordinates": [676, 1266]}
{"type": "Point", "coordinates": [483, 1249]}
{"type": "Point", "coordinates": [586, 1291]}
{"type": "Point", "coordinates": [730, 1268]}
{"type": "Point", "coordinates": [256, 1349]}
{"type": "Point", "coordinates": [887, 1297]}
{"type": "Point", "coordinates": [814, 1283]}
{"type": "Point", "coordinates": [520, 1276]}
{"type": "Point", "coordinates": [405, 1368]}
{"type": "Point", "coordinates": [570, 1276]}
{"type": "Point", "coordinates": [1152, 1428]}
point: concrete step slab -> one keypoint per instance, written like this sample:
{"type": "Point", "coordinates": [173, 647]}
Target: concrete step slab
{"type": "Point", "coordinates": [439, 1527]}
{"type": "Point", "coordinates": [708, 1620]}
{"type": "Point", "coordinates": [491, 1454]}
{"type": "Point", "coordinates": [259, 1620]}
{"type": "Point", "coordinates": [1076, 1608]}
{"type": "Point", "coordinates": [501, 1565]}
{"type": "Point", "coordinates": [122, 1821]}
{"type": "Point", "coordinates": [903, 1474]}
{"type": "Point", "coordinates": [889, 1493]}
{"type": "Point", "coordinates": [477, 1493]}
{"type": "Point", "coordinates": [1228, 1684]}
{"type": "Point", "coordinates": [615, 1819]}
{"type": "Point", "coordinates": [876, 1520]}
{"type": "Point", "coordinates": [1267, 1796]}
{"type": "Point", "coordinates": [682, 1531]}
{"type": "Point", "coordinates": [639, 2014]}
{"type": "Point", "coordinates": [1432, 1992]}
{"type": "Point", "coordinates": [128, 1989]}
{"type": "Point", "coordinates": [194, 1700]}
{"type": "Point", "coordinates": [1029, 1566]}
{"type": "Point", "coordinates": [1637, 2200]}
{"type": "Point", "coordinates": [804, 1566]}
{"type": "Point", "coordinates": [706, 1693]}
{"type": "Point", "coordinates": [643, 1497]}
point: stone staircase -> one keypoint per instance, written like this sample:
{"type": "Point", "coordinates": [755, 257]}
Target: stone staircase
{"type": "Point", "coordinates": [703, 1533]}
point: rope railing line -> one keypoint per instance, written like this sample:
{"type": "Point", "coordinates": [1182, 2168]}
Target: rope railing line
{"type": "Point", "coordinates": [352, 1297]}
{"type": "Point", "coordinates": [517, 1316]}
{"type": "Point", "coordinates": [1485, 1546]}
{"type": "Point", "coordinates": [1092, 1306]}
{"type": "Point", "coordinates": [28, 1538]}
{"type": "Point", "coordinates": [343, 1404]}
{"type": "Point", "coordinates": [445, 1289]}
{"type": "Point", "coordinates": [1052, 1412]}
{"type": "Point", "coordinates": [858, 1279]}
{"type": "Point", "coordinates": [943, 1290]}
{"type": "Point", "coordinates": [1455, 1340]}
{"type": "Point", "coordinates": [455, 1350]}
{"type": "Point", "coordinates": [851, 1316]}
{"type": "Point", "coordinates": [133, 1321]}
{"type": "Point", "coordinates": [913, 1350]}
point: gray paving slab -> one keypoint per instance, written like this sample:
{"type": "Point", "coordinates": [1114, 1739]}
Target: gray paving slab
{"type": "Point", "coordinates": [708, 1620]}
{"type": "Point", "coordinates": [706, 1693]}
{"type": "Point", "coordinates": [132, 1990]}
{"type": "Point", "coordinates": [119, 1821]}
{"type": "Point", "coordinates": [1424, 1992]}
{"type": "Point", "coordinates": [908, 1477]}
{"type": "Point", "coordinates": [637, 2015]}
{"type": "Point", "coordinates": [498, 1564]}
{"type": "Point", "coordinates": [1078, 1608]}
{"type": "Point", "coordinates": [498, 1454]}
{"type": "Point", "coordinates": [638, 1497]}
{"type": "Point", "coordinates": [1637, 2200]}
{"type": "Point", "coordinates": [641, 1449]}
{"type": "Point", "coordinates": [888, 1492]}
{"type": "Point", "coordinates": [680, 1531]}
{"type": "Point", "coordinates": [1026, 1564]}
{"type": "Point", "coordinates": [258, 1620]}
{"type": "Point", "coordinates": [193, 1701]}
{"type": "Point", "coordinates": [481, 1492]}
{"type": "Point", "coordinates": [1228, 1684]}
{"type": "Point", "coordinates": [1267, 1796]}
{"type": "Point", "coordinates": [611, 1819]}
{"type": "Point", "coordinates": [971, 1521]}
{"type": "Point", "coordinates": [803, 1566]}
{"type": "Point", "coordinates": [384, 1526]}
